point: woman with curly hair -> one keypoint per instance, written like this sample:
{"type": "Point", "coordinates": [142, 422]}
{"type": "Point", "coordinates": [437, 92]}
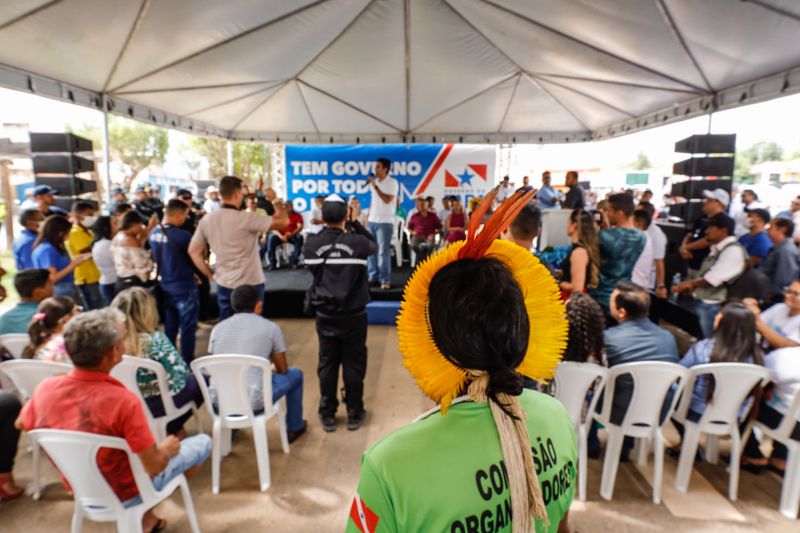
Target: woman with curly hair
{"type": "Point", "coordinates": [585, 343]}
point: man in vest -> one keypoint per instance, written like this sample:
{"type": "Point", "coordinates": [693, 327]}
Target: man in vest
{"type": "Point", "coordinates": [726, 262]}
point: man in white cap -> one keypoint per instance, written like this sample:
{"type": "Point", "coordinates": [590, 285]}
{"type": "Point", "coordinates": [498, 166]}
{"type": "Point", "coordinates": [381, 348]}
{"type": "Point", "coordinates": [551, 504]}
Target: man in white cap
{"type": "Point", "coordinates": [337, 257]}
{"type": "Point", "coordinates": [212, 202]}
{"type": "Point", "coordinates": [695, 247]}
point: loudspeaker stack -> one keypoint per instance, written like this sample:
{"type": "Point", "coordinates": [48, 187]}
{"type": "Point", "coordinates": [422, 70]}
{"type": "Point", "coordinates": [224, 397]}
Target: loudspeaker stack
{"type": "Point", "coordinates": [58, 160]}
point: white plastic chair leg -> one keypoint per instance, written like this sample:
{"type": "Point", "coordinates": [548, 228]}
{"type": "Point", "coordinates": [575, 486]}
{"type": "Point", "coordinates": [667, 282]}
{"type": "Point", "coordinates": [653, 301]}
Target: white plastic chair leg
{"type": "Point", "coordinates": [262, 453]}
{"type": "Point", "coordinates": [642, 449]}
{"type": "Point", "coordinates": [77, 519]}
{"type": "Point", "coordinates": [197, 420]}
{"type": "Point", "coordinates": [37, 469]}
{"type": "Point", "coordinates": [790, 493]}
{"type": "Point", "coordinates": [216, 455]}
{"type": "Point", "coordinates": [282, 428]}
{"type": "Point", "coordinates": [227, 441]}
{"type": "Point", "coordinates": [583, 459]}
{"type": "Point", "coordinates": [189, 506]}
{"type": "Point", "coordinates": [712, 449]}
{"type": "Point", "coordinates": [691, 438]}
{"type": "Point", "coordinates": [658, 465]}
{"type": "Point", "coordinates": [736, 454]}
{"type": "Point", "coordinates": [611, 463]}
{"type": "Point", "coordinates": [129, 523]}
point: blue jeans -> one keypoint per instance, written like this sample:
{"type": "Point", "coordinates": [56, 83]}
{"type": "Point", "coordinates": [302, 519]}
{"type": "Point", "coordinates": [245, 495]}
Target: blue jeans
{"type": "Point", "coordinates": [108, 291]}
{"type": "Point", "coordinates": [380, 264]}
{"type": "Point", "coordinates": [182, 311]}
{"type": "Point", "coordinates": [65, 288]}
{"type": "Point", "coordinates": [705, 314]}
{"type": "Point", "coordinates": [92, 297]}
{"type": "Point", "coordinates": [194, 450]}
{"type": "Point", "coordinates": [224, 300]}
{"type": "Point", "coordinates": [290, 385]}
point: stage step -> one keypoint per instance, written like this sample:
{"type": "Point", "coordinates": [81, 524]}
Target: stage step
{"type": "Point", "coordinates": [383, 312]}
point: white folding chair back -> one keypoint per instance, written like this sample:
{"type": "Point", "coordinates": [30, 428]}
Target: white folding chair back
{"type": "Point", "coordinates": [233, 410]}
{"type": "Point", "coordinates": [790, 492]}
{"type": "Point", "coordinates": [25, 375]}
{"type": "Point", "coordinates": [15, 343]}
{"type": "Point", "coordinates": [652, 381]}
{"type": "Point", "coordinates": [397, 240]}
{"type": "Point", "coordinates": [573, 381]}
{"type": "Point", "coordinates": [126, 372]}
{"type": "Point", "coordinates": [733, 383]}
{"type": "Point", "coordinates": [75, 455]}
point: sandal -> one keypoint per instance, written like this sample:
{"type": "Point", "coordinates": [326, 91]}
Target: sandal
{"type": "Point", "coordinates": [6, 496]}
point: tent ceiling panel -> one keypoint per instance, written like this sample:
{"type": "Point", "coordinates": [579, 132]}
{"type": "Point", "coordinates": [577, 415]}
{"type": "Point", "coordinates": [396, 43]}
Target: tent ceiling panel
{"type": "Point", "coordinates": [285, 110]}
{"type": "Point", "coordinates": [333, 116]}
{"type": "Point", "coordinates": [203, 23]}
{"type": "Point", "coordinates": [535, 110]}
{"type": "Point", "coordinates": [90, 35]}
{"type": "Point", "coordinates": [190, 101]}
{"type": "Point", "coordinates": [275, 52]}
{"type": "Point", "coordinates": [449, 60]}
{"type": "Point", "coordinates": [366, 65]}
{"type": "Point", "coordinates": [485, 112]}
{"type": "Point", "coordinates": [737, 52]}
{"type": "Point", "coordinates": [591, 112]}
{"type": "Point", "coordinates": [11, 10]}
{"type": "Point", "coordinates": [228, 114]}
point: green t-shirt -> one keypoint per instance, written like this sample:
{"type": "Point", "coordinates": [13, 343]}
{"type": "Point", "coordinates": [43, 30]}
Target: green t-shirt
{"type": "Point", "coordinates": [446, 473]}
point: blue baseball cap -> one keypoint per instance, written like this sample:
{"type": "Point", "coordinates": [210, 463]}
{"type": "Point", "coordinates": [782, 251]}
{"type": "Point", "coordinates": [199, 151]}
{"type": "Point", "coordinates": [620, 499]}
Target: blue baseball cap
{"type": "Point", "coordinates": [44, 189]}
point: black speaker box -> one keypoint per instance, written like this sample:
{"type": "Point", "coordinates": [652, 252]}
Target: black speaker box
{"type": "Point", "coordinates": [693, 189]}
{"type": "Point", "coordinates": [61, 164]}
{"type": "Point", "coordinates": [707, 144]}
{"type": "Point", "coordinates": [65, 202]}
{"type": "Point", "coordinates": [704, 166]}
{"type": "Point", "coordinates": [687, 211]}
{"type": "Point", "coordinates": [59, 142]}
{"type": "Point", "coordinates": [68, 185]}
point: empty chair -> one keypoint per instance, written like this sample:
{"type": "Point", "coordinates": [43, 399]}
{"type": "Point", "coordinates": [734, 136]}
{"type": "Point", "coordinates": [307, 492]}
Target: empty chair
{"type": "Point", "coordinates": [126, 372]}
{"type": "Point", "coordinates": [233, 410]}
{"type": "Point", "coordinates": [25, 375]}
{"type": "Point", "coordinates": [733, 382]}
{"type": "Point", "coordinates": [652, 381]}
{"type": "Point", "coordinates": [397, 240]}
{"type": "Point", "coordinates": [573, 382]}
{"type": "Point", "coordinates": [75, 455]}
{"type": "Point", "coordinates": [15, 343]}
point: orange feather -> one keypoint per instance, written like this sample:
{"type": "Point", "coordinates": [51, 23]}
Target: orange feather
{"type": "Point", "coordinates": [478, 244]}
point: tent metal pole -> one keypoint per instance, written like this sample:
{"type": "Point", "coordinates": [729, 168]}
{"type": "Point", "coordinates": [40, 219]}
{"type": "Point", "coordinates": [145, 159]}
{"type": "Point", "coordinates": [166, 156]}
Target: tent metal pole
{"type": "Point", "coordinates": [106, 157]}
{"type": "Point", "coordinates": [230, 157]}
{"type": "Point", "coordinates": [5, 178]}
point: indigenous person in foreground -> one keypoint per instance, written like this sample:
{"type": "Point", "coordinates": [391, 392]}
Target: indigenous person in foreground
{"type": "Point", "coordinates": [337, 257]}
{"type": "Point", "coordinates": [88, 399]}
{"type": "Point", "coordinates": [491, 456]}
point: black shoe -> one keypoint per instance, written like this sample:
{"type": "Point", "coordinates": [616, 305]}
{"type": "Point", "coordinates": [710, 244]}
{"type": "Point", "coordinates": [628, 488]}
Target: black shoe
{"type": "Point", "coordinates": [593, 452]}
{"type": "Point", "coordinates": [328, 423]}
{"type": "Point", "coordinates": [374, 283]}
{"type": "Point", "coordinates": [354, 420]}
{"type": "Point", "coordinates": [625, 457]}
{"type": "Point", "coordinates": [294, 434]}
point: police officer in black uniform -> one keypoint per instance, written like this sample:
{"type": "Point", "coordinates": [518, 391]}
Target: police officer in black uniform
{"type": "Point", "coordinates": [337, 257]}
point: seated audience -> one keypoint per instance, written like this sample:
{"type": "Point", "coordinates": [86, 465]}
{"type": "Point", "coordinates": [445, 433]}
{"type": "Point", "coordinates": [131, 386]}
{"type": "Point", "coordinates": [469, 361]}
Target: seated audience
{"type": "Point", "coordinates": [782, 265]}
{"type": "Point", "coordinates": [248, 333]}
{"type": "Point", "coordinates": [785, 376]}
{"type": "Point", "coordinates": [10, 407]}
{"type": "Point", "coordinates": [620, 246]}
{"type": "Point", "coordinates": [695, 246]}
{"type": "Point", "coordinates": [423, 226]}
{"type": "Point", "coordinates": [455, 224]}
{"type": "Point", "coordinates": [726, 262]}
{"type": "Point", "coordinates": [585, 340]}
{"type": "Point", "coordinates": [288, 234]}
{"type": "Point", "coordinates": [49, 252]}
{"type": "Point", "coordinates": [47, 343]}
{"type": "Point", "coordinates": [33, 285]}
{"type": "Point", "coordinates": [317, 224]}
{"type": "Point", "coordinates": [580, 269]}
{"type": "Point", "coordinates": [356, 213]}
{"type": "Point", "coordinates": [131, 261]}
{"type": "Point", "coordinates": [779, 326]}
{"type": "Point", "coordinates": [756, 241]}
{"type": "Point", "coordinates": [89, 399]}
{"type": "Point", "coordinates": [144, 339]}
{"type": "Point", "coordinates": [30, 220]}
{"type": "Point", "coordinates": [104, 230]}
{"type": "Point", "coordinates": [447, 208]}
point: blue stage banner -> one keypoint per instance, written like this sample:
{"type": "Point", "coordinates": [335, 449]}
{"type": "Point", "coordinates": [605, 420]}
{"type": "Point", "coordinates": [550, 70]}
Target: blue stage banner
{"type": "Point", "coordinates": [421, 170]}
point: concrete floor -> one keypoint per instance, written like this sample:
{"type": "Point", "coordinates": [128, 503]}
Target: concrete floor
{"type": "Point", "coordinates": [312, 487]}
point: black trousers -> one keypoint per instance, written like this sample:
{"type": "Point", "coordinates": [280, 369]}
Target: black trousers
{"type": "Point", "coordinates": [9, 435]}
{"type": "Point", "coordinates": [342, 343]}
{"type": "Point", "coordinates": [772, 419]}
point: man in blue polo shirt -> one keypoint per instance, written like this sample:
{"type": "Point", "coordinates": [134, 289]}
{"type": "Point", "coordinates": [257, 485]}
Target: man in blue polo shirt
{"type": "Point", "coordinates": [169, 245]}
{"type": "Point", "coordinates": [30, 220]}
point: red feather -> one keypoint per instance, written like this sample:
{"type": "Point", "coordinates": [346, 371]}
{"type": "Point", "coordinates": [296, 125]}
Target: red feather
{"type": "Point", "coordinates": [478, 244]}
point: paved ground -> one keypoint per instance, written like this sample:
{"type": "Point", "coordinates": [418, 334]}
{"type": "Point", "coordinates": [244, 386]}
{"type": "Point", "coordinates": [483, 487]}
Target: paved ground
{"type": "Point", "coordinates": [313, 485]}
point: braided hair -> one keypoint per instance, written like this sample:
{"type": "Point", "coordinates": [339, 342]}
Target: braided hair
{"type": "Point", "coordinates": [586, 323]}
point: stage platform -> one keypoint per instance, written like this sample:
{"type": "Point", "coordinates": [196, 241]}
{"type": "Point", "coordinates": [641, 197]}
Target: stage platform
{"type": "Point", "coordinates": [285, 289]}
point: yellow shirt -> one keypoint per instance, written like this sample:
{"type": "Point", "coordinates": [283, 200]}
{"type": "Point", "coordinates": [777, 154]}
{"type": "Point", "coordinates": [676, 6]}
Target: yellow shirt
{"type": "Point", "coordinates": [81, 239]}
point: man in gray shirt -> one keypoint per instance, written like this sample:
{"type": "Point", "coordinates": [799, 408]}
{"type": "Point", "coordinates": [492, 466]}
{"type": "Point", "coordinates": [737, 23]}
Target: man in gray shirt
{"type": "Point", "coordinates": [248, 333]}
{"type": "Point", "coordinates": [781, 264]}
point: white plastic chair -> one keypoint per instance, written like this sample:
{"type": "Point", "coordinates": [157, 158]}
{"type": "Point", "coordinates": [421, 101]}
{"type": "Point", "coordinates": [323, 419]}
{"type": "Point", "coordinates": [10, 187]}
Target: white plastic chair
{"type": "Point", "coordinates": [397, 240]}
{"type": "Point", "coordinates": [790, 492]}
{"type": "Point", "coordinates": [15, 343]}
{"type": "Point", "coordinates": [573, 381]}
{"type": "Point", "coordinates": [732, 384]}
{"type": "Point", "coordinates": [75, 455]}
{"type": "Point", "coordinates": [229, 374]}
{"type": "Point", "coordinates": [25, 375]}
{"type": "Point", "coordinates": [652, 382]}
{"type": "Point", "coordinates": [126, 372]}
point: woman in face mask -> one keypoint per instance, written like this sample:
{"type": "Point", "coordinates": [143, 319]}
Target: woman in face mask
{"type": "Point", "coordinates": [87, 275]}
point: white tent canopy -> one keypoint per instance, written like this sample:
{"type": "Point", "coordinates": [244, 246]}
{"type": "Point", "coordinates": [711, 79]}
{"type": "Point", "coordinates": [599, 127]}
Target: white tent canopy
{"type": "Point", "coordinates": [404, 70]}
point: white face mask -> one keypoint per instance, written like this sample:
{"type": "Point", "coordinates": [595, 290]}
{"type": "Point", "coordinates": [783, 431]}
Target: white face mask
{"type": "Point", "coordinates": [89, 221]}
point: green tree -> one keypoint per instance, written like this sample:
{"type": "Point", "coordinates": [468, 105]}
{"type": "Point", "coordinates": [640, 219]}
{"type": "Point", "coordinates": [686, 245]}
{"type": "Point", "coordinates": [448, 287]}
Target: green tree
{"type": "Point", "coordinates": [248, 158]}
{"type": "Point", "coordinates": [642, 162]}
{"type": "Point", "coordinates": [753, 155]}
{"type": "Point", "coordinates": [135, 144]}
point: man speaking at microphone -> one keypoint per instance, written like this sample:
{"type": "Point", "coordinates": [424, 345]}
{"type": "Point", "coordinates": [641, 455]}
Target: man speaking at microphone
{"type": "Point", "coordinates": [382, 206]}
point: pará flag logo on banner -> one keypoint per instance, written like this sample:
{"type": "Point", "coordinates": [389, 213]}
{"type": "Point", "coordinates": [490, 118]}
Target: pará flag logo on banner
{"type": "Point", "coordinates": [362, 516]}
{"type": "Point", "coordinates": [420, 169]}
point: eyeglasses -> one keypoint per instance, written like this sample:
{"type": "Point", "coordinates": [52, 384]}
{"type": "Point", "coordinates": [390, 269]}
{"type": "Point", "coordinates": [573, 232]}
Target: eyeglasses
{"type": "Point", "coordinates": [792, 293]}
